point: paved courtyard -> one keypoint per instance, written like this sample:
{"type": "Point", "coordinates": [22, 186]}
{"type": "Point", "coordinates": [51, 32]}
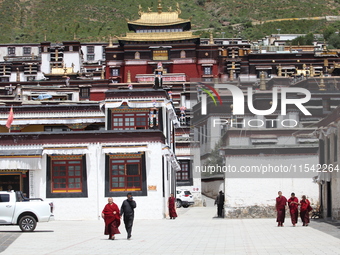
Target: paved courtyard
{"type": "Point", "coordinates": [195, 231]}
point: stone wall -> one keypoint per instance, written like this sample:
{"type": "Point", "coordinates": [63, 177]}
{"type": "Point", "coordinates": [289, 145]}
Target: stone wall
{"type": "Point", "coordinates": [250, 212]}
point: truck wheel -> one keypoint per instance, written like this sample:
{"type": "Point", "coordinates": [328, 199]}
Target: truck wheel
{"type": "Point", "coordinates": [27, 223]}
{"type": "Point", "coordinates": [178, 203]}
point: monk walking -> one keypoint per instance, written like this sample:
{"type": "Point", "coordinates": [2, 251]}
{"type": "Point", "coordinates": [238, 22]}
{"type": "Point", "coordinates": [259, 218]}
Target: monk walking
{"type": "Point", "coordinates": [111, 216]}
{"type": "Point", "coordinates": [172, 206]}
{"type": "Point", "coordinates": [293, 203]}
{"type": "Point", "coordinates": [305, 208]}
{"type": "Point", "coordinates": [281, 202]}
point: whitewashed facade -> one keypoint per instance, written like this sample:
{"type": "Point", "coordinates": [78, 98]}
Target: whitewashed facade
{"type": "Point", "coordinates": [35, 156]}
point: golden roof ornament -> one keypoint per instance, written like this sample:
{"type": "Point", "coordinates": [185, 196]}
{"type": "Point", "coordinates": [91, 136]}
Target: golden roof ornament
{"type": "Point", "coordinates": [311, 68]}
{"type": "Point", "coordinates": [110, 41]}
{"type": "Point", "coordinates": [170, 9]}
{"type": "Point", "coordinates": [102, 74]}
{"type": "Point", "coordinates": [18, 74]}
{"type": "Point", "coordinates": [262, 81]}
{"type": "Point", "coordinates": [140, 10]}
{"type": "Point", "coordinates": [149, 9]}
{"type": "Point", "coordinates": [178, 10]}
{"type": "Point", "coordinates": [322, 86]}
{"type": "Point", "coordinates": [129, 77]}
{"type": "Point", "coordinates": [279, 70]}
{"type": "Point", "coordinates": [211, 38]}
{"type": "Point", "coordinates": [159, 7]}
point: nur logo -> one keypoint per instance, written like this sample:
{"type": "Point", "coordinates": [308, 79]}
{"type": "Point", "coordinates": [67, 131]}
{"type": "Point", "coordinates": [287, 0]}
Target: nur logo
{"type": "Point", "coordinates": [239, 100]}
{"type": "Point", "coordinates": [206, 88]}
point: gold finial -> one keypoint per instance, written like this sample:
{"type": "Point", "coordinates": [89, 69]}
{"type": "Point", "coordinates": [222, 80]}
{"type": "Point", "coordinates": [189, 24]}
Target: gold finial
{"type": "Point", "coordinates": [279, 70]}
{"type": "Point", "coordinates": [140, 10]}
{"type": "Point", "coordinates": [159, 7]}
{"type": "Point", "coordinates": [322, 86]}
{"type": "Point", "coordinates": [311, 69]}
{"type": "Point", "coordinates": [110, 41]}
{"type": "Point", "coordinates": [45, 38]}
{"type": "Point", "coordinates": [74, 36]}
{"type": "Point", "coordinates": [231, 76]}
{"type": "Point", "coordinates": [170, 9]}
{"type": "Point", "coordinates": [178, 10]}
{"type": "Point", "coordinates": [211, 38]}
{"type": "Point", "coordinates": [102, 75]}
{"type": "Point", "coordinates": [18, 74]}
{"type": "Point", "coordinates": [128, 77]}
{"type": "Point", "coordinates": [149, 9]}
{"type": "Point", "coordinates": [262, 81]}
{"type": "Point", "coordinates": [325, 62]}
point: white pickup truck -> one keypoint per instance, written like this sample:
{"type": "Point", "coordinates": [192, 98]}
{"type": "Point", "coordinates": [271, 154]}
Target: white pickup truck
{"type": "Point", "coordinates": [15, 209]}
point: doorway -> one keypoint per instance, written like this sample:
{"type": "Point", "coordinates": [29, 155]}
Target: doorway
{"type": "Point", "coordinates": [16, 181]}
{"type": "Point", "coordinates": [329, 199]}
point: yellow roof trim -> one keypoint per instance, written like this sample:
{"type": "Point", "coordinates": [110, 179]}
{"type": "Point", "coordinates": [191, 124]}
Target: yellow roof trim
{"type": "Point", "coordinates": [161, 36]}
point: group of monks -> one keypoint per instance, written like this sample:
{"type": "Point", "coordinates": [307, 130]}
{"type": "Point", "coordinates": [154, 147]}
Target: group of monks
{"type": "Point", "coordinates": [293, 204]}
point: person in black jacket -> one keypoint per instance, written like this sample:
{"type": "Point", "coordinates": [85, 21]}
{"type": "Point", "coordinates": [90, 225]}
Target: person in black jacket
{"type": "Point", "coordinates": [220, 204]}
{"type": "Point", "coordinates": [127, 209]}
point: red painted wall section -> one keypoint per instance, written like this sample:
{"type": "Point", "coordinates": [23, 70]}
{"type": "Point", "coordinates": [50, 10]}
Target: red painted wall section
{"type": "Point", "coordinates": [97, 96]}
{"type": "Point", "coordinates": [107, 72]}
{"type": "Point", "coordinates": [215, 70]}
{"type": "Point", "coordinates": [134, 70]}
{"type": "Point", "coordinates": [190, 70]}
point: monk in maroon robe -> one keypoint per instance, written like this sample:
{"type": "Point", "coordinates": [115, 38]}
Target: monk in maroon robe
{"type": "Point", "coordinates": [281, 202]}
{"type": "Point", "coordinates": [293, 203]}
{"type": "Point", "coordinates": [305, 208]}
{"type": "Point", "coordinates": [172, 206]}
{"type": "Point", "coordinates": [111, 217]}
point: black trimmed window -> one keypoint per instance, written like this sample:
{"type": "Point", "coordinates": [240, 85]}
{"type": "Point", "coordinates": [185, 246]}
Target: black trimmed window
{"type": "Point", "coordinates": [115, 72]}
{"type": "Point", "coordinates": [66, 176]}
{"type": "Point", "coordinates": [27, 50]}
{"type": "Point", "coordinates": [183, 177]}
{"type": "Point", "coordinates": [207, 70]}
{"type": "Point", "coordinates": [11, 50]}
{"type": "Point", "coordinates": [90, 49]}
{"type": "Point", "coordinates": [85, 92]}
{"type": "Point", "coordinates": [183, 174]}
{"type": "Point", "coordinates": [90, 57]}
{"type": "Point", "coordinates": [126, 118]}
{"type": "Point", "coordinates": [129, 121]}
{"type": "Point", "coordinates": [125, 173]}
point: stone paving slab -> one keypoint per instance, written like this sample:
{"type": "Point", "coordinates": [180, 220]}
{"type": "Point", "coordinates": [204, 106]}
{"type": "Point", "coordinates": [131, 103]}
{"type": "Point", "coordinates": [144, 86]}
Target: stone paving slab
{"type": "Point", "coordinates": [195, 231]}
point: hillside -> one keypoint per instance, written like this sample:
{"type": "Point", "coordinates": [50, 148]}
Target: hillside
{"type": "Point", "coordinates": [88, 20]}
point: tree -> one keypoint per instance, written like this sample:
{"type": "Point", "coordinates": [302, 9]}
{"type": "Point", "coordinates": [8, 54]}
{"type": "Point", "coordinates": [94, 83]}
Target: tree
{"type": "Point", "coordinates": [334, 41]}
{"type": "Point", "coordinates": [214, 159]}
{"type": "Point", "coordinates": [304, 40]}
{"type": "Point", "coordinates": [328, 32]}
{"type": "Point", "coordinates": [309, 39]}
